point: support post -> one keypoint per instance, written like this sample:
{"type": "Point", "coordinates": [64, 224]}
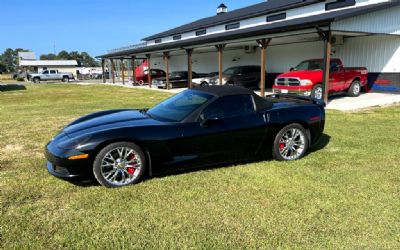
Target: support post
{"type": "Point", "coordinates": [103, 70]}
{"type": "Point", "coordinates": [148, 56]}
{"type": "Point", "coordinates": [133, 70]}
{"type": "Point", "coordinates": [113, 71]}
{"type": "Point", "coordinates": [220, 49]}
{"type": "Point", "coordinates": [190, 67]}
{"type": "Point", "coordinates": [263, 43]}
{"type": "Point", "coordinates": [327, 64]}
{"type": "Point", "coordinates": [166, 63]}
{"type": "Point", "coordinates": [123, 71]}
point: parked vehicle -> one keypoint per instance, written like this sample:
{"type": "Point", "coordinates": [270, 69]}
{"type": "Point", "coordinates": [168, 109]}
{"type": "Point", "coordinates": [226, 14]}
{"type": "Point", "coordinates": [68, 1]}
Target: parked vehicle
{"type": "Point", "coordinates": [204, 81]}
{"type": "Point", "coordinates": [198, 127]}
{"type": "Point", "coordinates": [155, 73]}
{"type": "Point", "coordinates": [97, 75]}
{"type": "Point", "coordinates": [19, 75]}
{"type": "Point", "coordinates": [177, 79]}
{"type": "Point", "coordinates": [51, 75]}
{"type": "Point", "coordinates": [307, 77]}
{"type": "Point", "coordinates": [245, 76]}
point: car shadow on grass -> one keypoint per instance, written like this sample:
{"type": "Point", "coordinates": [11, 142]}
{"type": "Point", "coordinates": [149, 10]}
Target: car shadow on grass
{"type": "Point", "coordinates": [11, 87]}
{"type": "Point", "coordinates": [321, 144]}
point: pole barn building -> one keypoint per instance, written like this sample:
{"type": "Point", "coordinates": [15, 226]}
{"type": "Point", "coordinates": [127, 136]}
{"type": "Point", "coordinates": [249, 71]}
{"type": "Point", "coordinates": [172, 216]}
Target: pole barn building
{"type": "Point", "coordinates": [278, 34]}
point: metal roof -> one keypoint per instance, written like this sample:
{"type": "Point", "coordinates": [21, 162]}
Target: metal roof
{"type": "Point", "coordinates": [289, 25]}
{"type": "Point", "coordinates": [27, 55]}
{"type": "Point", "coordinates": [231, 16]}
{"type": "Point", "coordinates": [48, 63]}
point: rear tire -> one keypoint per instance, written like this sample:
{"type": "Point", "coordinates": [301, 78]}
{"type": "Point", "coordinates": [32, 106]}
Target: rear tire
{"type": "Point", "coordinates": [204, 84]}
{"type": "Point", "coordinates": [355, 89]}
{"type": "Point", "coordinates": [65, 79]}
{"type": "Point", "coordinates": [119, 164]}
{"type": "Point", "coordinates": [291, 143]}
{"type": "Point", "coordinates": [317, 92]}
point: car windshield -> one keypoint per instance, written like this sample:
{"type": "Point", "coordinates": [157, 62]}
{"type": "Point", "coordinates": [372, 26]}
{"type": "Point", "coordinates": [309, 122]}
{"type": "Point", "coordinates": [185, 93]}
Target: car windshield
{"type": "Point", "coordinates": [178, 107]}
{"type": "Point", "coordinates": [310, 65]}
{"type": "Point", "coordinates": [232, 71]}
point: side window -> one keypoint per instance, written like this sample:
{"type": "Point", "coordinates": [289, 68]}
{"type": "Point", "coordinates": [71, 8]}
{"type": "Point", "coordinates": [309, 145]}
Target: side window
{"type": "Point", "coordinates": [46, 72]}
{"type": "Point", "coordinates": [53, 72]}
{"type": "Point", "coordinates": [334, 66]}
{"type": "Point", "coordinates": [256, 70]}
{"type": "Point", "coordinates": [229, 106]}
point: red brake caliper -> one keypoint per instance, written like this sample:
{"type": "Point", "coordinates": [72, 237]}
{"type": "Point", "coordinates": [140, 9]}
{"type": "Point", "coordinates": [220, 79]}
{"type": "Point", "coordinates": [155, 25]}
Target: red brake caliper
{"type": "Point", "coordinates": [131, 170]}
{"type": "Point", "coordinates": [281, 146]}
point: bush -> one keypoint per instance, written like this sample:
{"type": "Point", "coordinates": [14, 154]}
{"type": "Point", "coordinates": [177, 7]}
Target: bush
{"type": "Point", "coordinates": [20, 79]}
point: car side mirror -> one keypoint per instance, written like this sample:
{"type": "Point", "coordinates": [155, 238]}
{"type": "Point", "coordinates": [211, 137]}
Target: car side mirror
{"type": "Point", "coordinates": [291, 69]}
{"type": "Point", "coordinates": [208, 122]}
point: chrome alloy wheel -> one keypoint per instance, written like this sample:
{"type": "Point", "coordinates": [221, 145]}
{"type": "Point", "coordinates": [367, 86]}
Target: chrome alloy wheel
{"type": "Point", "coordinates": [292, 144]}
{"type": "Point", "coordinates": [318, 93]}
{"type": "Point", "coordinates": [121, 166]}
{"type": "Point", "coordinates": [356, 89]}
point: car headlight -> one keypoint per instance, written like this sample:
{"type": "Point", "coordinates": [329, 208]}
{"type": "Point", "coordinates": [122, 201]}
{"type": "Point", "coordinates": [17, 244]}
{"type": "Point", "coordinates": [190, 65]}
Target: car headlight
{"type": "Point", "coordinates": [305, 82]}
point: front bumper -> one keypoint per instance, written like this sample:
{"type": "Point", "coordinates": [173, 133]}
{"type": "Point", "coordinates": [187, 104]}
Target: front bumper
{"type": "Point", "coordinates": [297, 90]}
{"type": "Point", "coordinates": [60, 166]}
{"type": "Point", "coordinates": [60, 172]}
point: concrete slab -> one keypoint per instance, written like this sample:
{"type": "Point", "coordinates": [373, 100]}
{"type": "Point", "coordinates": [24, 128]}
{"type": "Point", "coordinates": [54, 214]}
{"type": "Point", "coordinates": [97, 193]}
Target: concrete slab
{"type": "Point", "coordinates": [365, 100]}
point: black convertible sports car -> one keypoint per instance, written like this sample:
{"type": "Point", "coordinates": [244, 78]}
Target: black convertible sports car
{"type": "Point", "coordinates": [199, 127]}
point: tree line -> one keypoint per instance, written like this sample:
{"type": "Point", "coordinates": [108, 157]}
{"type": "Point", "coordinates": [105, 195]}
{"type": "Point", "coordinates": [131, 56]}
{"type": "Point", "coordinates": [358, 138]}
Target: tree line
{"type": "Point", "coordinates": [9, 59]}
{"type": "Point", "coordinates": [83, 58]}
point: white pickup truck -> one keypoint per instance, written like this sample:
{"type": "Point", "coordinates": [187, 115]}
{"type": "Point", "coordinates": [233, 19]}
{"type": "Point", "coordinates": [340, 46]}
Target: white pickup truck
{"type": "Point", "coordinates": [50, 75]}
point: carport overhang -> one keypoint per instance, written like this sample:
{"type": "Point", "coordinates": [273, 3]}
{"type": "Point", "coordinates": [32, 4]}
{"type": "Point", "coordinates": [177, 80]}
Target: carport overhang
{"type": "Point", "coordinates": [316, 27]}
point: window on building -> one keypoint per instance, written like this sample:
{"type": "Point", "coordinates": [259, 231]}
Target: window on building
{"type": "Point", "coordinates": [232, 26]}
{"type": "Point", "coordinates": [177, 37]}
{"type": "Point", "coordinates": [159, 40]}
{"type": "Point", "coordinates": [276, 17]}
{"type": "Point", "coordinates": [339, 4]}
{"type": "Point", "coordinates": [201, 32]}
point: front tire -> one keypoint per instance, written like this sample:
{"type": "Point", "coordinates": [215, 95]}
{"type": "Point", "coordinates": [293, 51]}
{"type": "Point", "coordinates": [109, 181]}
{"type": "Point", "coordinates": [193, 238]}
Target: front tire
{"type": "Point", "coordinates": [291, 143]}
{"type": "Point", "coordinates": [204, 84]}
{"type": "Point", "coordinates": [119, 164]}
{"type": "Point", "coordinates": [36, 80]}
{"type": "Point", "coordinates": [355, 89]}
{"type": "Point", "coordinates": [317, 92]}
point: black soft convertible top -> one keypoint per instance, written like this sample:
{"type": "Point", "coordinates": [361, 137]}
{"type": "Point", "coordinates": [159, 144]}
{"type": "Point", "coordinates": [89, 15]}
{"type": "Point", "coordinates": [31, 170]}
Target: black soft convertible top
{"type": "Point", "coordinates": [228, 90]}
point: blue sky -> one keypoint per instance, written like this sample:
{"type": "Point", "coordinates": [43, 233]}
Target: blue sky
{"type": "Point", "coordinates": [95, 25]}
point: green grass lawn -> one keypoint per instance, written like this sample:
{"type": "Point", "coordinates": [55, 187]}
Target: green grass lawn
{"type": "Point", "coordinates": [345, 195]}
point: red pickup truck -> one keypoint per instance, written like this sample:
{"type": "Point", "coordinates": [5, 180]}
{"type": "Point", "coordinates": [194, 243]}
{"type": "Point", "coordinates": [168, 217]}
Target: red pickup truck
{"type": "Point", "coordinates": [306, 79]}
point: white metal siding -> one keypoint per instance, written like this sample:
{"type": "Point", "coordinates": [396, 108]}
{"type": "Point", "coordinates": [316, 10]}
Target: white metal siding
{"type": "Point", "coordinates": [379, 53]}
{"type": "Point", "coordinates": [279, 58]}
{"type": "Point", "coordinates": [309, 10]}
{"type": "Point", "coordinates": [385, 21]}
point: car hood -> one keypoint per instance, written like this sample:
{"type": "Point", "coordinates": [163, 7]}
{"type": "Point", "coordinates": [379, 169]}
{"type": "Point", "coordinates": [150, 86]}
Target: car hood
{"type": "Point", "coordinates": [304, 74]}
{"type": "Point", "coordinates": [108, 120]}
